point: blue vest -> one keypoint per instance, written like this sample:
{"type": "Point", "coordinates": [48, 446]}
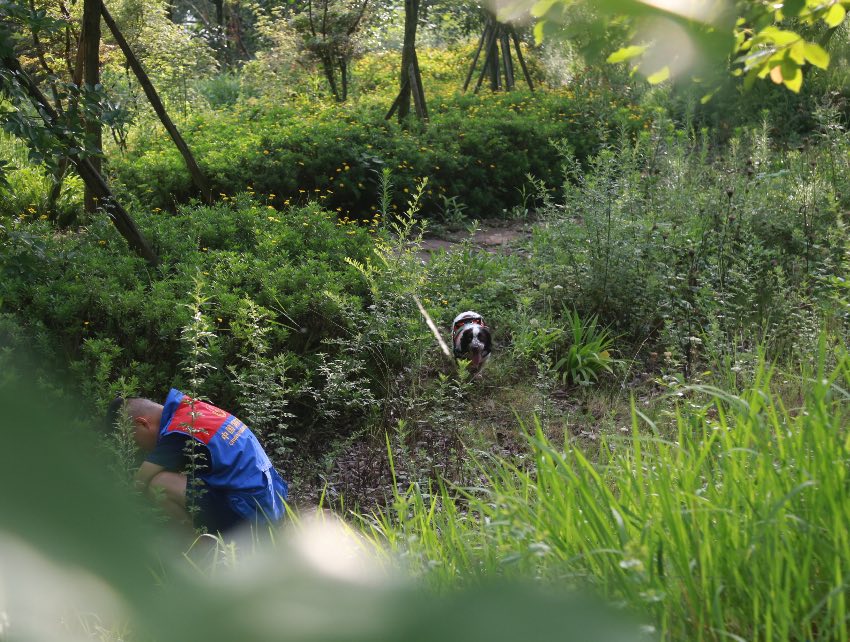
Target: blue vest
{"type": "Point", "coordinates": [238, 464]}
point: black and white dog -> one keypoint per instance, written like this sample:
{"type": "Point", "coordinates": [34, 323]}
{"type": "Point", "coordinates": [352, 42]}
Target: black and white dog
{"type": "Point", "coordinates": [471, 339]}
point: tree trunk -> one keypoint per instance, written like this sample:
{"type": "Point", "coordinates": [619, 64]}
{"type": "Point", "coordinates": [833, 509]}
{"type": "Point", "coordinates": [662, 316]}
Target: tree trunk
{"type": "Point", "coordinates": [330, 74]}
{"type": "Point", "coordinates": [90, 46]}
{"type": "Point", "coordinates": [219, 39]}
{"type": "Point", "coordinates": [343, 71]}
{"type": "Point", "coordinates": [91, 177]}
{"type": "Point", "coordinates": [197, 175]}
{"type": "Point", "coordinates": [408, 54]}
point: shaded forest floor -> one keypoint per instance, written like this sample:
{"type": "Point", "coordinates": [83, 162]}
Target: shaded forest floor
{"type": "Point", "coordinates": [444, 427]}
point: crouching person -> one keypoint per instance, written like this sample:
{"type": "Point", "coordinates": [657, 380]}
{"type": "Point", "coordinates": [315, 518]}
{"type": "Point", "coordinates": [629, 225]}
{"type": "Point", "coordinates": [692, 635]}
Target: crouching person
{"type": "Point", "coordinates": [233, 480]}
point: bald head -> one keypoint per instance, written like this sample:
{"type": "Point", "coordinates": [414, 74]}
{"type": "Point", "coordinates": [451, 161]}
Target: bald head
{"type": "Point", "coordinates": [140, 407]}
{"type": "Point", "coordinates": [145, 416]}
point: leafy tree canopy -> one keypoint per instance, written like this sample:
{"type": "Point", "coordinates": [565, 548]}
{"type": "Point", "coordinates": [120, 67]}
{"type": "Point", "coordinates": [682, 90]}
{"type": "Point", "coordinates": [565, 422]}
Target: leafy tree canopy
{"type": "Point", "coordinates": [668, 38]}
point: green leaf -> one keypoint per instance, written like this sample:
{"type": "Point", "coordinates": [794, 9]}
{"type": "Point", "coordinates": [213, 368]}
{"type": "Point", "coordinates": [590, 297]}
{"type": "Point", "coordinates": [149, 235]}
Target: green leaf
{"type": "Point", "coordinates": [707, 97]}
{"type": "Point", "coordinates": [792, 78]}
{"type": "Point", "coordinates": [659, 76]}
{"type": "Point", "coordinates": [539, 31]}
{"type": "Point", "coordinates": [541, 8]}
{"type": "Point", "coordinates": [835, 16]}
{"type": "Point", "coordinates": [797, 53]}
{"type": "Point", "coordinates": [793, 7]}
{"type": "Point", "coordinates": [816, 55]}
{"type": "Point", "coordinates": [626, 53]}
{"type": "Point", "coordinates": [779, 37]}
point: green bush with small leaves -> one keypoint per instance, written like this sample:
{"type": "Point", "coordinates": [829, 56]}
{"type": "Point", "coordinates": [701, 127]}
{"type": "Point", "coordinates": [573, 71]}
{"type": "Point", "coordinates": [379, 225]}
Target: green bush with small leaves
{"type": "Point", "coordinates": [477, 148]}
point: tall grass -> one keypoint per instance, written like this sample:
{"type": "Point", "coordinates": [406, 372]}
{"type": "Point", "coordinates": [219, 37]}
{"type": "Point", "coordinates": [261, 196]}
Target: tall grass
{"type": "Point", "coordinates": [730, 524]}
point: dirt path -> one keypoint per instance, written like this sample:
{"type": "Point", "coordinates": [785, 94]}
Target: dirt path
{"type": "Point", "coordinates": [494, 236]}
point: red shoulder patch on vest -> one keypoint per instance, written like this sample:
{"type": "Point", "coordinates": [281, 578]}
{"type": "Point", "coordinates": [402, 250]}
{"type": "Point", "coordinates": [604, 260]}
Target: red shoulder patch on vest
{"type": "Point", "coordinates": [197, 419]}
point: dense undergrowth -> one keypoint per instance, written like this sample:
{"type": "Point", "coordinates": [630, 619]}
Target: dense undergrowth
{"type": "Point", "coordinates": [723, 519]}
{"type": "Point", "coordinates": [690, 261]}
{"type": "Point", "coordinates": [668, 270]}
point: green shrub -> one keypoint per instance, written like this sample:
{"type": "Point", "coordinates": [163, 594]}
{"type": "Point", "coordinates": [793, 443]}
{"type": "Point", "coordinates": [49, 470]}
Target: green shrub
{"type": "Point", "coordinates": [83, 293]}
{"type": "Point", "coordinates": [26, 194]}
{"type": "Point", "coordinates": [477, 149]}
{"type": "Point", "coordinates": [675, 247]}
{"type": "Point", "coordinates": [221, 90]}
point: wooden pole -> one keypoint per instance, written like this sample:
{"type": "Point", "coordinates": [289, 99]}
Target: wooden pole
{"type": "Point", "coordinates": [522, 60]}
{"type": "Point", "coordinates": [91, 177]}
{"type": "Point", "coordinates": [489, 49]}
{"type": "Point", "coordinates": [197, 175]}
{"type": "Point", "coordinates": [404, 88]}
{"type": "Point", "coordinates": [495, 77]}
{"type": "Point", "coordinates": [506, 61]}
{"type": "Point", "coordinates": [417, 92]}
{"type": "Point", "coordinates": [475, 58]}
{"type": "Point", "coordinates": [418, 77]}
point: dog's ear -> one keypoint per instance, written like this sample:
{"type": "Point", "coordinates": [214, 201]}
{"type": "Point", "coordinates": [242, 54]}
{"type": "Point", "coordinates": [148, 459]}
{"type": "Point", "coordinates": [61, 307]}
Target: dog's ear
{"type": "Point", "coordinates": [487, 339]}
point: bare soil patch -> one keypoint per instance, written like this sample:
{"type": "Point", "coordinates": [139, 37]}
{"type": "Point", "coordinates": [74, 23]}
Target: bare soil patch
{"type": "Point", "coordinates": [494, 236]}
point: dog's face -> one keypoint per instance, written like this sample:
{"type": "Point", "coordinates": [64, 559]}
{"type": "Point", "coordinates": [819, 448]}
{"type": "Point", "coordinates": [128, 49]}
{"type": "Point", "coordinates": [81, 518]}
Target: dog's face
{"type": "Point", "coordinates": [471, 339]}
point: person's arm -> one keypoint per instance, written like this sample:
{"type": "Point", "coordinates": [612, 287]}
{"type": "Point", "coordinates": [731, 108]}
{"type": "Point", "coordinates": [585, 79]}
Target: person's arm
{"type": "Point", "coordinates": [168, 454]}
{"type": "Point", "coordinates": [147, 471]}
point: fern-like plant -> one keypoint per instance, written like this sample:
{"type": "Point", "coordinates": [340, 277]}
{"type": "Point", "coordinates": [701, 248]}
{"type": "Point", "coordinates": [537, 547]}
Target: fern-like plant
{"type": "Point", "coordinates": [589, 354]}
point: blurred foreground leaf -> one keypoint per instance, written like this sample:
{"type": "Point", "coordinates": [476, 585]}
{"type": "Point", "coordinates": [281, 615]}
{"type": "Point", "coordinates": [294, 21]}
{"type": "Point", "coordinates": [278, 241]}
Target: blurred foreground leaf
{"type": "Point", "coordinates": [89, 539]}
